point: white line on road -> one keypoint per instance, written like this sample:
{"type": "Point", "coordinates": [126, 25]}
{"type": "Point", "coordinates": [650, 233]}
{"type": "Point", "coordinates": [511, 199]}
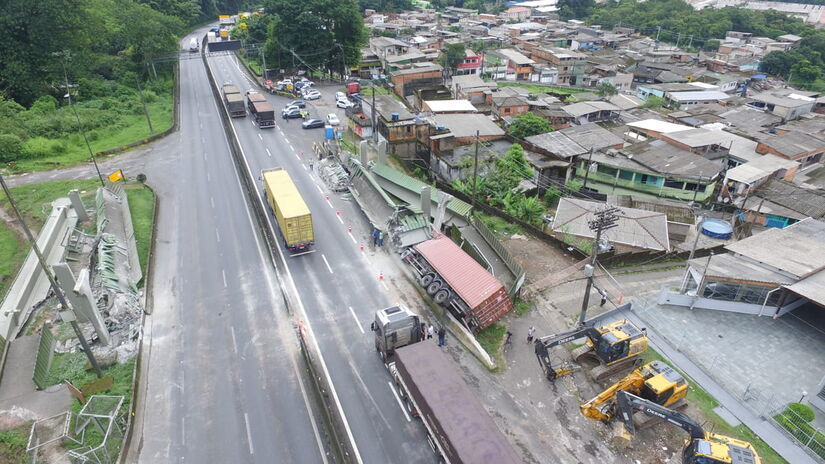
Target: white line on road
{"type": "Point", "coordinates": [217, 235]}
{"type": "Point", "coordinates": [327, 263]}
{"type": "Point", "coordinates": [223, 273]}
{"type": "Point", "coordinates": [234, 341]}
{"type": "Point", "coordinates": [339, 218]}
{"type": "Point", "coordinates": [208, 177]}
{"type": "Point", "coordinates": [212, 202]}
{"type": "Point", "coordinates": [248, 433]}
{"type": "Point", "coordinates": [305, 167]}
{"type": "Point", "coordinates": [183, 431]}
{"type": "Point", "coordinates": [269, 152]}
{"type": "Point", "coordinates": [356, 319]}
{"type": "Point", "coordinates": [352, 238]}
{"type": "Point", "coordinates": [290, 146]}
{"type": "Point", "coordinates": [260, 136]}
{"type": "Point", "coordinates": [311, 416]}
{"type": "Point", "coordinates": [385, 286]}
{"type": "Point", "coordinates": [296, 155]}
{"type": "Point", "coordinates": [319, 188]}
{"type": "Point", "coordinates": [205, 156]}
{"type": "Point", "coordinates": [397, 398]}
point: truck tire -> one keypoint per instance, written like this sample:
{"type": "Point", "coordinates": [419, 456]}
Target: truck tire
{"type": "Point", "coordinates": [442, 296]}
{"type": "Point", "coordinates": [427, 279]}
{"type": "Point", "coordinates": [433, 287]}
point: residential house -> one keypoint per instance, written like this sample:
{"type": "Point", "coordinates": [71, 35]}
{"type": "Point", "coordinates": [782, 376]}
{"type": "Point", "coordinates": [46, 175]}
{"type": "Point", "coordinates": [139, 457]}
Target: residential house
{"type": "Point", "coordinates": [452, 131]}
{"type": "Point", "coordinates": [516, 13]}
{"type": "Point", "coordinates": [400, 128]}
{"type": "Point", "coordinates": [406, 81]}
{"type": "Point", "coordinates": [778, 204]}
{"type": "Point", "coordinates": [655, 73]}
{"type": "Point", "coordinates": [654, 169]}
{"type": "Point", "coordinates": [625, 102]}
{"type": "Point", "coordinates": [644, 91]}
{"type": "Point", "coordinates": [470, 65]}
{"type": "Point", "coordinates": [646, 128]}
{"type": "Point", "coordinates": [692, 98]}
{"type": "Point", "coordinates": [789, 104]}
{"type": "Point", "coordinates": [472, 87]}
{"type": "Point", "coordinates": [569, 64]}
{"type": "Point", "coordinates": [457, 163]}
{"type": "Point", "coordinates": [520, 65]}
{"type": "Point", "coordinates": [509, 106]}
{"type": "Point", "coordinates": [796, 146]}
{"type": "Point", "coordinates": [448, 106]}
{"type": "Point", "coordinates": [591, 111]}
{"type": "Point", "coordinates": [545, 74]}
{"type": "Point", "coordinates": [565, 145]}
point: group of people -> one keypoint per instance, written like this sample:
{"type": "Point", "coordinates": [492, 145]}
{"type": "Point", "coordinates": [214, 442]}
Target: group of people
{"type": "Point", "coordinates": [427, 332]}
{"type": "Point", "coordinates": [377, 238]}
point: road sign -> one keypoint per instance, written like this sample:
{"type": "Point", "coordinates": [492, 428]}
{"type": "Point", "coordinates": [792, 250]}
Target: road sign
{"type": "Point", "coordinates": [116, 176]}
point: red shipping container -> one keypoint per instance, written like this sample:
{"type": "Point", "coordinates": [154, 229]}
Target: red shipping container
{"type": "Point", "coordinates": [353, 87]}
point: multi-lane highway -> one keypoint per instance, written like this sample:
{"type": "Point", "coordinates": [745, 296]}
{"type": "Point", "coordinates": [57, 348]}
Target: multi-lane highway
{"type": "Point", "coordinates": [221, 375]}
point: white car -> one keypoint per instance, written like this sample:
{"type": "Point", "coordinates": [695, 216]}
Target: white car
{"type": "Point", "coordinates": [340, 96]}
{"type": "Point", "coordinates": [332, 119]}
{"type": "Point", "coordinates": [344, 103]}
{"type": "Point", "coordinates": [290, 108]}
{"type": "Point", "coordinates": [312, 95]}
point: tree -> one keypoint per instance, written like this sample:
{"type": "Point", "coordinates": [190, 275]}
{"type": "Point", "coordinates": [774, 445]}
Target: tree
{"type": "Point", "coordinates": [606, 89]}
{"type": "Point", "coordinates": [574, 9]}
{"type": "Point", "coordinates": [777, 63]}
{"type": "Point", "coordinates": [11, 147]}
{"type": "Point", "coordinates": [653, 102]}
{"type": "Point", "coordinates": [711, 45]}
{"type": "Point", "coordinates": [527, 124]}
{"type": "Point", "coordinates": [453, 57]}
{"type": "Point", "coordinates": [804, 72]}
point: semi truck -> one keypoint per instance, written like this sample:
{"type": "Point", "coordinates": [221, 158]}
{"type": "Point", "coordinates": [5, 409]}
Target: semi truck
{"type": "Point", "coordinates": [253, 97]}
{"type": "Point", "coordinates": [395, 327]}
{"type": "Point", "coordinates": [457, 282]}
{"type": "Point", "coordinates": [234, 101]}
{"type": "Point", "coordinates": [263, 113]}
{"type": "Point", "coordinates": [459, 429]}
{"type": "Point", "coordinates": [291, 213]}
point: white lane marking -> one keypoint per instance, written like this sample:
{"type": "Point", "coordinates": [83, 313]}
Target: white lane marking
{"type": "Point", "coordinates": [352, 238]}
{"type": "Point", "coordinates": [248, 433]}
{"type": "Point", "coordinates": [269, 152]}
{"type": "Point", "coordinates": [385, 286]}
{"type": "Point", "coordinates": [234, 341]}
{"type": "Point", "coordinates": [217, 235]}
{"type": "Point", "coordinates": [212, 202]}
{"type": "Point", "coordinates": [208, 177]}
{"type": "Point", "coordinates": [319, 188]}
{"type": "Point", "coordinates": [183, 431]}
{"type": "Point", "coordinates": [205, 156]}
{"type": "Point", "coordinates": [296, 155]}
{"type": "Point", "coordinates": [327, 263]}
{"type": "Point", "coordinates": [339, 218]}
{"type": "Point", "coordinates": [290, 146]}
{"type": "Point", "coordinates": [223, 273]}
{"type": "Point", "coordinates": [305, 167]}
{"type": "Point", "coordinates": [356, 319]}
{"type": "Point", "coordinates": [260, 136]}
{"type": "Point", "coordinates": [311, 417]}
{"type": "Point", "coordinates": [398, 398]}
{"type": "Point", "coordinates": [293, 291]}
{"type": "Point", "coordinates": [330, 204]}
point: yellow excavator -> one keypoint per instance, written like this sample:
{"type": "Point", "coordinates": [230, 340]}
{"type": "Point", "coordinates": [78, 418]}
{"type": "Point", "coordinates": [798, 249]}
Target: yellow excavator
{"type": "Point", "coordinates": [655, 381]}
{"type": "Point", "coordinates": [702, 447]}
{"type": "Point", "coordinates": [616, 346]}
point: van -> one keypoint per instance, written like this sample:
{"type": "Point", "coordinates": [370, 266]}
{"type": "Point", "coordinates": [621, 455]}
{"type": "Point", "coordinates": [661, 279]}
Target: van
{"type": "Point", "coordinates": [193, 45]}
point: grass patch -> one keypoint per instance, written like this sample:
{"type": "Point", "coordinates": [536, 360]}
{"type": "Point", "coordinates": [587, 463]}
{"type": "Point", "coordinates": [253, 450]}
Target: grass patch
{"type": "Point", "coordinates": [13, 445]}
{"type": "Point", "coordinates": [492, 338]}
{"type": "Point", "coordinates": [252, 63]}
{"type": "Point", "coordinates": [501, 227]}
{"type": "Point", "coordinates": [142, 207]}
{"type": "Point", "coordinates": [796, 425]}
{"type": "Point", "coordinates": [522, 307]}
{"type": "Point", "coordinates": [34, 202]}
{"type": "Point", "coordinates": [532, 88]}
{"type": "Point", "coordinates": [706, 403]}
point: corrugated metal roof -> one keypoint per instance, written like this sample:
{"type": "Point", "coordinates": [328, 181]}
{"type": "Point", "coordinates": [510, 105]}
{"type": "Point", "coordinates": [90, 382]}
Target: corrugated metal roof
{"type": "Point", "coordinates": [412, 184]}
{"type": "Point", "coordinates": [471, 281]}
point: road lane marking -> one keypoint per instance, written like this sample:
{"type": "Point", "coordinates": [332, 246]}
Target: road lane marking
{"type": "Point", "coordinates": [212, 201]}
{"type": "Point", "coordinates": [248, 433]}
{"type": "Point", "coordinates": [208, 177]}
{"type": "Point", "coordinates": [385, 286]}
{"type": "Point", "coordinates": [296, 155]}
{"type": "Point", "coordinates": [183, 431]}
{"type": "Point", "coordinates": [339, 218]}
{"type": "Point", "coordinates": [205, 156]}
{"type": "Point", "coordinates": [398, 398]}
{"type": "Point", "coordinates": [269, 152]}
{"type": "Point", "coordinates": [352, 238]}
{"type": "Point", "coordinates": [260, 136]}
{"type": "Point", "coordinates": [223, 273]}
{"type": "Point", "coordinates": [290, 146]}
{"type": "Point", "coordinates": [305, 167]}
{"type": "Point", "coordinates": [327, 263]}
{"type": "Point", "coordinates": [356, 319]}
{"type": "Point", "coordinates": [319, 188]}
{"type": "Point", "coordinates": [311, 417]}
{"type": "Point", "coordinates": [234, 341]}
{"type": "Point", "coordinates": [217, 235]}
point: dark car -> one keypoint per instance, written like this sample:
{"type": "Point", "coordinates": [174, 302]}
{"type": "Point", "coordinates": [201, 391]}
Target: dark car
{"type": "Point", "coordinates": [313, 124]}
{"type": "Point", "coordinates": [298, 103]}
{"type": "Point", "coordinates": [215, 30]}
{"type": "Point", "coordinates": [291, 114]}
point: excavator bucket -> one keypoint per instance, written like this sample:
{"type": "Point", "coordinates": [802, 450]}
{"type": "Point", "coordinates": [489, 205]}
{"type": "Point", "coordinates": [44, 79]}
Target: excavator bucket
{"type": "Point", "coordinates": [620, 437]}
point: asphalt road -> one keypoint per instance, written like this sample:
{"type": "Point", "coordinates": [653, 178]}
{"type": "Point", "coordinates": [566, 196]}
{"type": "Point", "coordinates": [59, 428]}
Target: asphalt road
{"type": "Point", "coordinates": [338, 285]}
{"type": "Point", "coordinates": [222, 379]}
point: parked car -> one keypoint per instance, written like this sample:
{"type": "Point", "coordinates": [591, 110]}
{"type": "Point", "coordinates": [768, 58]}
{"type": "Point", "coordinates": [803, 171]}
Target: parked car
{"type": "Point", "coordinates": [297, 103]}
{"type": "Point", "coordinates": [292, 114]}
{"type": "Point", "coordinates": [289, 108]}
{"type": "Point", "coordinates": [312, 124]}
{"type": "Point", "coordinates": [344, 104]}
{"type": "Point", "coordinates": [312, 95]}
{"type": "Point", "coordinates": [332, 119]}
{"type": "Point", "coordinates": [216, 30]}
{"type": "Point", "coordinates": [340, 96]}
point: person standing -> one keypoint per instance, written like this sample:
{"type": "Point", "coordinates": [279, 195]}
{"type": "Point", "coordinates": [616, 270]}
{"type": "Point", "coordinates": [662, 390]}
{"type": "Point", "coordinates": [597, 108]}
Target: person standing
{"type": "Point", "coordinates": [380, 238]}
{"type": "Point", "coordinates": [430, 331]}
{"type": "Point", "coordinates": [442, 336]}
{"type": "Point", "coordinates": [604, 299]}
{"type": "Point", "coordinates": [530, 332]}
{"type": "Point", "coordinates": [423, 331]}
{"type": "Point", "coordinates": [375, 237]}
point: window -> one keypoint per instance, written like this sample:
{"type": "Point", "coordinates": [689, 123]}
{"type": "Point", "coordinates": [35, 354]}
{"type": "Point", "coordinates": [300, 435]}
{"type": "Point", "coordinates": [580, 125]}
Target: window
{"type": "Point", "coordinates": [626, 175]}
{"type": "Point", "coordinates": [692, 187]}
{"type": "Point", "coordinates": [507, 110]}
{"type": "Point", "coordinates": [607, 170]}
{"type": "Point", "coordinates": [675, 184]}
{"type": "Point", "coordinates": [720, 291]}
{"type": "Point", "coordinates": [648, 179]}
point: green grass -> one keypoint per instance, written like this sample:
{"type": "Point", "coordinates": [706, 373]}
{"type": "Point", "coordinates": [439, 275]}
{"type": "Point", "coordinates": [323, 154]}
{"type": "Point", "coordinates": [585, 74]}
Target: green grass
{"type": "Point", "coordinates": [803, 432]}
{"type": "Point", "coordinates": [706, 403]}
{"type": "Point", "coordinates": [142, 206]}
{"type": "Point", "coordinates": [532, 88]}
{"type": "Point", "coordinates": [34, 202]}
{"type": "Point", "coordinates": [13, 445]}
{"type": "Point", "coordinates": [498, 225]}
{"type": "Point", "coordinates": [522, 307]}
{"type": "Point", "coordinates": [253, 64]}
{"type": "Point", "coordinates": [491, 340]}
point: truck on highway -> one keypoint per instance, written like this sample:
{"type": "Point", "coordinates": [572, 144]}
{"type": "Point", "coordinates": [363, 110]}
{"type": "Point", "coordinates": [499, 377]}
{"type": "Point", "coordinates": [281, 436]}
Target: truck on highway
{"type": "Point", "coordinates": [253, 97]}
{"type": "Point", "coordinates": [193, 45]}
{"type": "Point", "coordinates": [291, 213]}
{"type": "Point", "coordinates": [263, 113]}
{"type": "Point", "coordinates": [233, 100]}
{"type": "Point", "coordinates": [395, 327]}
{"type": "Point", "coordinates": [457, 282]}
{"type": "Point", "coordinates": [459, 429]}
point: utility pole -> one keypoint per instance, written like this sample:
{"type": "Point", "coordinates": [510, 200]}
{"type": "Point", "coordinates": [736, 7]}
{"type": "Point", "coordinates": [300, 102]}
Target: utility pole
{"type": "Point", "coordinates": [690, 43]}
{"type": "Point", "coordinates": [678, 38]}
{"type": "Point", "coordinates": [53, 283]}
{"type": "Point", "coordinates": [475, 174]}
{"type": "Point", "coordinates": [372, 116]}
{"type": "Point", "coordinates": [79, 125]}
{"type": "Point", "coordinates": [605, 219]}
{"type": "Point", "coordinates": [143, 101]}
{"type": "Point", "coordinates": [587, 168]}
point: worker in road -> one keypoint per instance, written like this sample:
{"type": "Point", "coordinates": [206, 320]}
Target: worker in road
{"type": "Point", "coordinates": [430, 331]}
{"type": "Point", "coordinates": [442, 336]}
{"type": "Point", "coordinates": [530, 332]}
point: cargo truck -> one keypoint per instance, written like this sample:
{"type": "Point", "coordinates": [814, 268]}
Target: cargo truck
{"type": "Point", "coordinates": [233, 100]}
{"type": "Point", "coordinates": [457, 282]}
{"type": "Point", "coordinates": [291, 213]}
{"type": "Point", "coordinates": [253, 97]}
{"type": "Point", "coordinates": [459, 429]}
{"type": "Point", "coordinates": [263, 113]}
{"type": "Point", "coordinates": [395, 327]}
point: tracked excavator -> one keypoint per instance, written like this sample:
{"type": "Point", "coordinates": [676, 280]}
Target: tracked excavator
{"type": "Point", "coordinates": [702, 447]}
{"type": "Point", "coordinates": [615, 346]}
{"type": "Point", "coordinates": [655, 381]}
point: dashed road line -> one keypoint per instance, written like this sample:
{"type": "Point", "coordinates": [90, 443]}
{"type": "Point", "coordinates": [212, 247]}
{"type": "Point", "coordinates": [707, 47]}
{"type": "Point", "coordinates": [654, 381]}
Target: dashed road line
{"type": "Point", "coordinates": [329, 268]}
{"type": "Point", "coordinates": [400, 404]}
{"type": "Point", "coordinates": [248, 433]}
{"type": "Point", "coordinates": [212, 202]}
{"type": "Point", "coordinates": [234, 341]}
{"type": "Point", "coordinates": [260, 136]}
{"type": "Point", "coordinates": [356, 319]}
{"type": "Point", "coordinates": [223, 273]}
{"type": "Point", "coordinates": [385, 286]}
{"type": "Point", "coordinates": [319, 188]}
{"type": "Point", "coordinates": [217, 235]}
{"type": "Point", "coordinates": [352, 238]}
{"type": "Point", "coordinates": [269, 152]}
{"type": "Point", "coordinates": [339, 218]}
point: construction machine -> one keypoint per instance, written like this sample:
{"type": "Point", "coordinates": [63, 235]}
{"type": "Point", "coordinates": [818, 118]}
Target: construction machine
{"type": "Point", "coordinates": [702, 447]}
{"type": "Point", "coordinates": [616, 346]}
{"type": "Point", "coordinates": [655, 381]}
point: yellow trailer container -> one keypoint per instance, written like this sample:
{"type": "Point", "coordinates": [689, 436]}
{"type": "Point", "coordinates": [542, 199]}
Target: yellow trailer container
{"type": "Point", "coordinates": [292, 214]}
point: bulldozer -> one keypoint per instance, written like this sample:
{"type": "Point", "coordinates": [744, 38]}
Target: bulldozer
{"type": "Point", "coordinates": [655, 381]}
{"type": "Point", "coordinates": [701, 447]}
{"type": "Point", "coordinates": [616, 346]}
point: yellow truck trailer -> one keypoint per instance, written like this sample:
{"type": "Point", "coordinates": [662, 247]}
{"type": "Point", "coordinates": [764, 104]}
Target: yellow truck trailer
{"type": "Point", "coordinates": [292, 214]}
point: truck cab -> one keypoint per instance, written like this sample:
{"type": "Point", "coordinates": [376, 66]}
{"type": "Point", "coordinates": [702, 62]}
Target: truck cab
{"type": "Point", "coordinates": [395, 327]}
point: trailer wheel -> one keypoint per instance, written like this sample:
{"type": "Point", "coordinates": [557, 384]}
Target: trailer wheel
{"type": "Point", "coordinates": [427, 279]}
{"type": "Point", "coordinates": [442, 296]}
{"type": "Point", "coordinates": [434, 287]}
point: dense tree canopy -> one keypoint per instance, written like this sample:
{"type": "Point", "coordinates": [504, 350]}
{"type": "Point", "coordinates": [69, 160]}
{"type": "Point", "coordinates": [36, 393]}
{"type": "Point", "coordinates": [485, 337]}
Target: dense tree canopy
{"type": "Point", "coordinates": [528, 124]}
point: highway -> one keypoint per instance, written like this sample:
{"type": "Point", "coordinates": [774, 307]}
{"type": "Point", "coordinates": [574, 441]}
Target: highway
{"type": "Point", "coordinates": [338, 286]}
{"type": "Point", "coordinates": [222, 374]}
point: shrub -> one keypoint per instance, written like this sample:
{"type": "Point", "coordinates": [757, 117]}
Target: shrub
{"type": "Point", "coordinates": [11, 147]}
{"type": "Point", "coordinates": [44, 105]}
{"type": "Point", "coordinates": [802, 411]}
{"type": "Point", "coordinates": [38, 147]}
{"type": "Point", "coordinates": [552, 195]}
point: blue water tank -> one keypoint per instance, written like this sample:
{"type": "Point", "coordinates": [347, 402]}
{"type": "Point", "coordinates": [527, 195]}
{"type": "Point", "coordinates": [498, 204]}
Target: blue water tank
{"type": "Point", "coordinates": [717, 228]}
{"type": "Point", "coordinates": [329, 132]}
{"type": "Point", "coordinates": [394, 116]}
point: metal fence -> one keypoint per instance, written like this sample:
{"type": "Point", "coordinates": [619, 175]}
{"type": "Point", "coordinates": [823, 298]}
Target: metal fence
{"type": "Point", "coordinates": [502, 252]}
{"type": "Point", "coordinates": [43, 361]}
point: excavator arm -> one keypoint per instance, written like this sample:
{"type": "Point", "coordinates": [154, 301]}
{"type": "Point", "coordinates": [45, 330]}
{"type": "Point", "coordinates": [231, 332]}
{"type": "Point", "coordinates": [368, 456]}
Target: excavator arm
{"type": "Point", "coordinates": [600, 407]}
{"type": "Point", "coordinates": [628, 402]}
{"type": "Point", "coordinates": [543, 345]}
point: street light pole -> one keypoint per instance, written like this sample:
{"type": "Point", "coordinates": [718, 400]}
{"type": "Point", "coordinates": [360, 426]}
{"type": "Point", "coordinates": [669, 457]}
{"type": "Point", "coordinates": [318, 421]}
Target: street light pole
{"type": "Point", "coordinates": [58, 291]}
{"type": "Point", "coordinates": [605, 219]}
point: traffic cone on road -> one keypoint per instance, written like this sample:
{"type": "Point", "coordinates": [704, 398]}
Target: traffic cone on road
{"type": "Point", "coordinates": [380, 276]}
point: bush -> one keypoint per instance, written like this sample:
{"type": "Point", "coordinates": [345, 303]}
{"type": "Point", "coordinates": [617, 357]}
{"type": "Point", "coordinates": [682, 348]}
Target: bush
{"type": "Point", "coordinates": [552, 195]}
{"type": "Point", "coordinates": [38, 147]}
{"type": "Point", "coordinates": [802, 411]}
{"type": "Point", "coordinates": [574, 185]}
{"type": "Point", "coordinates": [11, 147]}
{"type": "Point", "coordinates": [44, 105]}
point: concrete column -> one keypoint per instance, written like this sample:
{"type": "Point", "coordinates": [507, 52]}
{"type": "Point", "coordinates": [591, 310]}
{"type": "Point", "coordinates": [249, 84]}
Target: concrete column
{"type": "Point", "coordinates": [426, 201]}
{"type": "Point", "coordinates": [364, 155]}
{"type": "Point", "coordinates": [79, 294]}
{"type": "Point", "coordinates": [77, 204]}
{"type": "Point", "coordinates": [382, 152]}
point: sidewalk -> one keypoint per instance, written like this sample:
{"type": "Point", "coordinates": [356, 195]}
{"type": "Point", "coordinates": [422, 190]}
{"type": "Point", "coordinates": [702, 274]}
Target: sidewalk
{"type": "Point", "coordinates": [775, 438]}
